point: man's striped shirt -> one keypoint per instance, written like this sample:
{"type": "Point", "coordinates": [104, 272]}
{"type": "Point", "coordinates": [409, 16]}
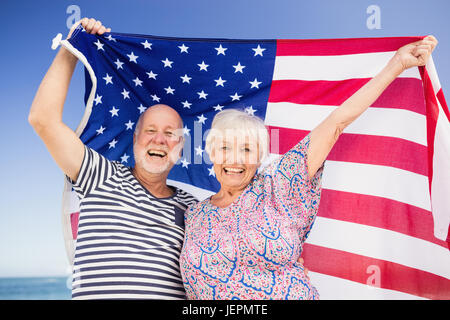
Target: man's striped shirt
{"type": "Point", "coordinates": [128, 241]}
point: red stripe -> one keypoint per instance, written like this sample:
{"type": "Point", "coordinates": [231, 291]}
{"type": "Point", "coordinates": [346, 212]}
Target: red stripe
{"type": "Point", "coordinates": [334, 93]}
{"type": "Point", "coordinates": [441, 98]}
{"type": "Point", "coordinates": [378, 150]}
{"type": "Point", "coordinates": [379, 212]}
{"type": "Point", "coordinates": [74, 224]}
{"type": "Point", "coordinates": [432, 116]}
{"type": "Point", "coordinates": [392, 276]}
{"type": "Point", "coordinates": [327, 47]}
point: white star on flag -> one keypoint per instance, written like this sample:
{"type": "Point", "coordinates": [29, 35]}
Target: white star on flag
{"type": "Point", "coordinates": [202, 95]}
{"type": "Point", "coordinates": [185, 78]}
{"type": "Point", "coordinates": [169, 90]}
{"type": "Point", "coordinates": [142, 109]}
{"type": "Point", "coordinates": [114, 112]}
{"type": "Point", "coordinates": [99, 45]}
{"type": "Point", "coordinates": [100, 130]}
{"type": "Point", "coordinates": [238, 68]}
{"type": "Point", "coordinates": [129, 125]}
{"type": "Point", "coordinates": [255, 83]}
{"type": "Point", "coordinates": [137, 82]}
{"type": "Point", "coordinates": [147, 45]}
{"type": "Point", "coordinates": [218, 108]}
{"type": "Point", "coordinates": [220, 82]}
{"type": "Point", "coordinates": [119, 64]}
{"type": "Point", "coordinates": [98, 99]}
{"type": "Point", "coordinates": [199, 151]}
{"type": "Point", "coordinates": [183, 48]}
{"type": "Point", "coordinates": [201, 119]}
{"type": "Point", "coordinates": [186, 104]}
{"type": "Point", "coordinates": [186, 130]}
{"type": "Point", "coordinates": [235, 97]}
{"type": "Point", "coordinates": [124, 158]}
{"type": "Point", "coordinates": [258, 51]}
{"type": "Point", "coordinates": [167, 63]}
{"type": "Point", "coordinates": [108, 79]}
{"type": "Point", "coordinates": [185, 163]}
{"type": "Point", "coordinates": [221, 50]}
{"type": "Point", "coordinates": [250, 110]}
{"type": "Point", "coordinates": [110, 38]}
{"type": "Point", "coordinates": [211, 171]}
{"type": "Point", "coordinates": [132, 57]}
{"type": "Point", "coordinates": [203, 66]}
{"type": "Point", "coordinates": [151, 75]}
{"type": "Point", "coordinates": [125, 94]}
{"type": "Point", "coordinates": [112, 144]}
{"type": "Point", "coordinates": [155, 98]}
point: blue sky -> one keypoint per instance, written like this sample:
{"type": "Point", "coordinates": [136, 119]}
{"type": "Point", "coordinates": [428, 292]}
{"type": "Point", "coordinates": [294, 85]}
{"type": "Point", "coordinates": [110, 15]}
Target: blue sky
{"type": "Point", "coordinates": [31, 240]}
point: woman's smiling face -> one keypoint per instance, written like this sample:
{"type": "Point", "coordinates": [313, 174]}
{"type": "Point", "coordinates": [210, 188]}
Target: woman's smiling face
{"type": "Point", "coordinates": [236, 160]}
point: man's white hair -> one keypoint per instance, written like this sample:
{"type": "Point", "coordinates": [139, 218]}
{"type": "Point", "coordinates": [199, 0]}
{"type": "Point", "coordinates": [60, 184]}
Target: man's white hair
{"type": "Point", "coordinates": [239, 124]}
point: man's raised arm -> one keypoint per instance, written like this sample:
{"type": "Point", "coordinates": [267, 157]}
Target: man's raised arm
{"type": "Point", "coordinates": [46, 110]}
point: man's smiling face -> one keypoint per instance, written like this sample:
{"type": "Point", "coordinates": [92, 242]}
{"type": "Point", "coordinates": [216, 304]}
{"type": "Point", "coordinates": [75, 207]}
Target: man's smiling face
{"type": "Point", "coordinates": [158, 140]}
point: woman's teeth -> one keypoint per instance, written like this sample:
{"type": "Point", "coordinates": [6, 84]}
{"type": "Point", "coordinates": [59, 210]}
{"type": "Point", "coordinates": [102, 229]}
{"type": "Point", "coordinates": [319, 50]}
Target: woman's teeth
{"type": "Point", "coordinates": [233, 170]}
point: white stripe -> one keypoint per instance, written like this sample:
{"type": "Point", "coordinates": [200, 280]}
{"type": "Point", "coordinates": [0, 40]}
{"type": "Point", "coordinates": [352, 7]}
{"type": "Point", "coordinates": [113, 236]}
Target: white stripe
{"type": "Point", "coordinates": [136, 242]}
{"type": "Point", "coordinates": [389, 122]}
{"type": "Point", "coordinates": [335, 68]}
{"type": "Point", "coordinates": [381, 244]}
{"type": "Point", "coordinates": [116, 216]}
{"type": "Point", "coordinates": [111, 247]}
{"type": "Point", "coordinates": [168, 232]}
{"type": "Point", "coordinates": [162, 256]}
{"type": "Point", "coordinates": [166, 257]}
{"type": "Point", "coordinates": [432, 73]}
{"type": "Point", "coordinates": [333, 288]}
{"type": "Point", "coordinates": [128, 296]}
{"type": "Point", "coordinates": [440, 186]}
{"type": "Point", "coordinates": [117, 230]}
{"type": "Point", "coordinates": [128, 265]}
{"type": "Point", "coordinates": [381, 181]}
{"type": "Point", "coordinates": [159, 272]}
{"type": "Point", "coordinates": [89, 103]}
{"type": "Point", "coordinates": [102, 278]}
{"type": "Point", "coordinates": [123, 235]}
{"type": "Point", "coordinates": [77, 290]}
{"type": "Point", "coordinates": [441, 164]}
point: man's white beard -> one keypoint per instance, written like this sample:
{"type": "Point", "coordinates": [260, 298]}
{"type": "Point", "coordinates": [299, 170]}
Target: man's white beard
{"type": "Point", "coordinates": [172, 158]}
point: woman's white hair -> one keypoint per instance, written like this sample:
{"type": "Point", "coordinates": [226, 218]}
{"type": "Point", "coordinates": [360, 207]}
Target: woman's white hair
{"type": "Point", "coordinates": [240, 124]}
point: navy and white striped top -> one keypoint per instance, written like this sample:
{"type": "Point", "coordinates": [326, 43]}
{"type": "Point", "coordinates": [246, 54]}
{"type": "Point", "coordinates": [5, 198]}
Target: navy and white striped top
{"type": "Point", "coordinates": [129, 241]}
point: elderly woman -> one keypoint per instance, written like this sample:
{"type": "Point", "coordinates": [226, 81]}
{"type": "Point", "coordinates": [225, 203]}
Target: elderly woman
{"type": "Point", "coordinates": [244, 241]}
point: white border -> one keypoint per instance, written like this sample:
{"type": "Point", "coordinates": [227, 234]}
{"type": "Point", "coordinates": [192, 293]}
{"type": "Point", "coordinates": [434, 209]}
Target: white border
{"type": "Point", "coordinates": [66, 204]}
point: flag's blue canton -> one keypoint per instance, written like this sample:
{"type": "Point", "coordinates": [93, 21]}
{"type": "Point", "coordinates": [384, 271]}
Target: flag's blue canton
{"type": "Point", "coordinates": [197, 77]}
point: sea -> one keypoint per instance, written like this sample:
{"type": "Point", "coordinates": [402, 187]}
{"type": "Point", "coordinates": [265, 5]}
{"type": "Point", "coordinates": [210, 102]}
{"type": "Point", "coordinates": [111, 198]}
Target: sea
{"type": "Point", "coordinates": [42, 288]}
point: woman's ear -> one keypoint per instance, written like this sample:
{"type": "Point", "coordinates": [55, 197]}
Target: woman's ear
{"type": "Point", "coordinates": [212, 156]}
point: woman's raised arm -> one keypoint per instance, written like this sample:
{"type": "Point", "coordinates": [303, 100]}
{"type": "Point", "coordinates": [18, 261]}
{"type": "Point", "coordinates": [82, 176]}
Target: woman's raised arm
{"type": "Point", "coordinates": [325, 135]}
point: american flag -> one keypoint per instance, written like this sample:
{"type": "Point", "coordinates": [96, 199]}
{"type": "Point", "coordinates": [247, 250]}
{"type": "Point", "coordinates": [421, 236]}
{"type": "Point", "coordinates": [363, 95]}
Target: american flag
{"type": "Point", "coordinates": [383, 222]}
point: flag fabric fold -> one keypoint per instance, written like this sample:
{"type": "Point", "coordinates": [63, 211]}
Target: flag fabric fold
{"type": "Point", "coordinates": [383, 222]}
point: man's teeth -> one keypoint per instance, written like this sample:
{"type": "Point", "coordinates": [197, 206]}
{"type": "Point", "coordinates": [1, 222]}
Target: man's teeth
{"type": "Point", "coordinates": [234, 170]}
{"type": "Point", "coordinates": [157, 153]}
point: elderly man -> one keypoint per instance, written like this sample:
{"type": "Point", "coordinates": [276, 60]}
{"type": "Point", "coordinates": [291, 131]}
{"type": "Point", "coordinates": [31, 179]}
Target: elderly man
{"type": "Point", "coordinates": [131, 224]}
